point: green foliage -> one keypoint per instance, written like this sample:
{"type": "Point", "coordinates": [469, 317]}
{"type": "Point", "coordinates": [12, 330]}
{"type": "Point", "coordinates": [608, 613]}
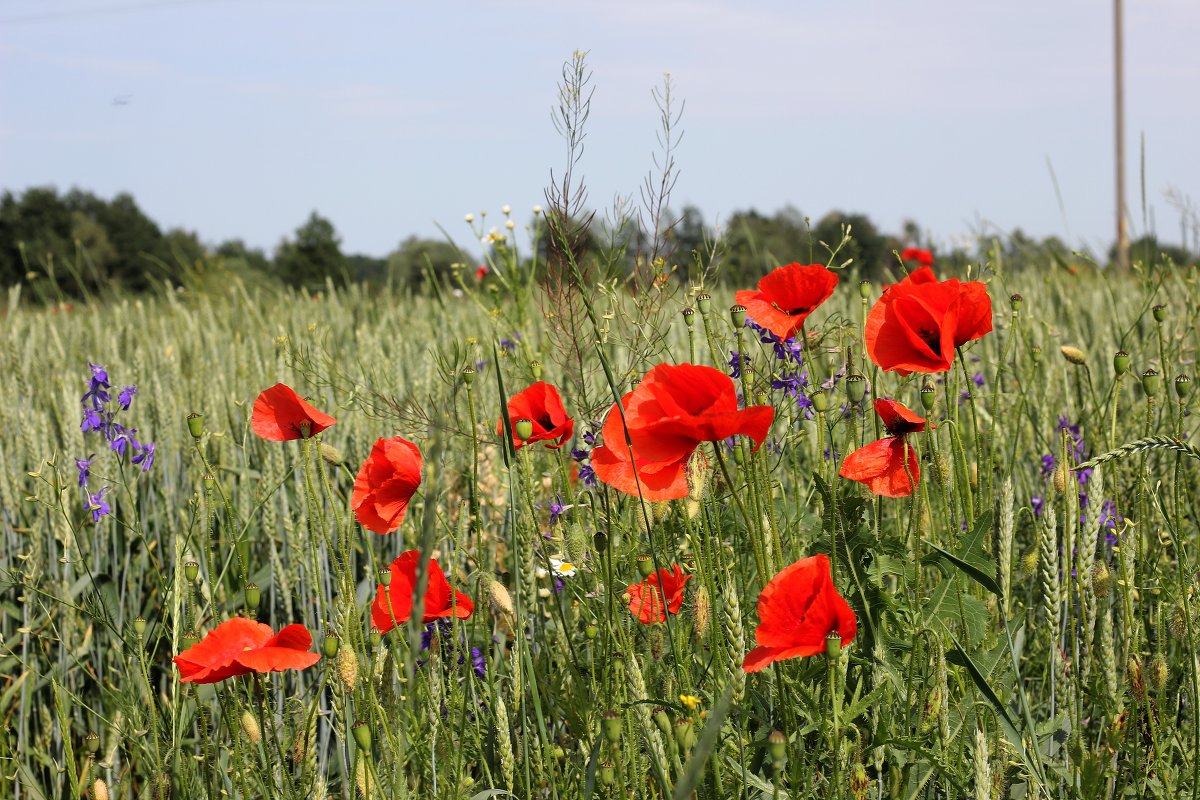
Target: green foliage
{"type": "Point", "coordinates": [312, 256]}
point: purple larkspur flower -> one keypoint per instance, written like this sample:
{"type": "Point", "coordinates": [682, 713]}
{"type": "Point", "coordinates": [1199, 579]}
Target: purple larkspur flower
{"type": "Point", "coordinates": [121, 438]}
{"type": "Point", "coordinates": [1037, 503]}
{"type": "Point", "coordinates": [84, 465]}
{"type": "Point", "coordinates": [736, 362]}
{"type": "Point", "coordinates": [588, 476]}
{"type": "Point", "coordinates": [478, 662]}
{"type": "Point", "coordinates": [125, 397]}
{"type": "Point", "coordinates": [557, 509]}
{"type": "Point", "coordinates": [977, 379]}
{"type": "Point", "coordinates": [792, 383]}
{"type": "Point", "coordinates": [144, 457]}
{"type": "Point", "coordinates": [579, 454]}
{"type": "Point", "coordinates": [97, 504]}
{"type": "Point", "coordinates": [93, 420]}
{"type": "Point", "coordinates": [590, 439]}
{"type": "Point", "coordinates": [1047, 465]}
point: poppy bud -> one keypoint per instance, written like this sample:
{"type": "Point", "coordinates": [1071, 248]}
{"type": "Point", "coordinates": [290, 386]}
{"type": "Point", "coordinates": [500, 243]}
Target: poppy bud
{"type": "Point", "coordinates": [139, 625]}
{"type": "Point", "coordinates": [685, 734]}
{"type": "Point", "coordinates": [329, 645]}
{"type": "Point", "coordinates": [92, 742]}
{"type": "Point", "coordinates": [856, 389]}
{"type": "Point", "coordinates": [928, 397]}
{"type": "Point", "coordinates": [689, 316]}
{"type": "Point", "coordinates": [190, 570]}
{"type": "Point", "coordinates": [1183, 386]}
{"type": "Point", "coordinates": [820, 401]}
{"type": "Point", "coordinates": [1178, 623]}
{"type": "Point", "coordinates": [1101, 579]}
{"type": "Point", "coordinates": [523, 428]}
{"type": "Point", "coordinates": [362, 736]}
{"type": "Point", "coordinates": [600, 540]}
{"type": "Point", "coordinates": [1121, 362]}
{"type": "Point", "coordinates": [611, 720]}
{"type": "Point", "coordinates": [1016, 301]}
{"type": "Point", "coordinates": [189, 639]}
{"type": "Point", "coordinates": [468, 375]}
{"type": "Point", "coordinates": [251, 728]}
{"type": "Point", "coordinates": [737, 315]}
{"type": "Point", "coordinates": [1073, 354]}
{"type": "Point", "coordinates": [347, 667]}
{"type": "Point", "coordinates": [100, 790]}
{"type": "Point", "coordinates": [645, 564]}
{"type": "Point", "coordinates": [1035, 355]}
{"type": "Point", "coordinates": [591, 632]}
{"type": "Point", "coordinates": [331, 455]}
{"type": "Point", "coordinates": [1160, 312]}
{"type": "Point", "coordinates": [1059, 479]}
{"type": "Point", "coordinates": [704, 302]}
{"type": "Point", "coordinates": [662, 721]}
{"type": "Point", "coordinates": [1151, 382]}
{"type": "Point", "coordinates": [739, 456]}
{"type": "Point", "coordinates": [376, 637]}
{"type": "Point", "coordinates": [833, 646]}
{"type": "Point", "coordinates": [1133, 670]}
{"type": "Point", "coordinates": [608, 773]}
{"type": "Point", "coordinates": [253, 596]}
{"type": "Point", "coordinates": [1158, 673]}
{"type": "Point", "coordinates": [385, 577]}
{"type": "Point", "coordinates": [1029, 563]}
{"type": "Point", "coordinates": [656, 644]}
{"type": "Point", "coordinates": [864, 289]}
{"type": "Point", "coordinates": [195, 423]}
{"type": "Point", "coordinates": [777, 742]}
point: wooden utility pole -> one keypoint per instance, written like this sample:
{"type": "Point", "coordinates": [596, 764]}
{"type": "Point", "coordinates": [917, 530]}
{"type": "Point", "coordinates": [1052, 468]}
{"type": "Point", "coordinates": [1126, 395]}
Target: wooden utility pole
{"type": "Point", "coordinates": [1119, 120]}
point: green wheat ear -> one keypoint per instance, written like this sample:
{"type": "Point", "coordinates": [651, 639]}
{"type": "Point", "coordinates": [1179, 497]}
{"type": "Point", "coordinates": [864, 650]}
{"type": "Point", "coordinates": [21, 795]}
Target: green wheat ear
{"type": "Point", "coordinates": [1140, 446]}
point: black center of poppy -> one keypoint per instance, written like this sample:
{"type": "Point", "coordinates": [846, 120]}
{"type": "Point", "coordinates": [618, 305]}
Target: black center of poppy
{"type": "Point", "coordinates": [931, 338]}
{"type": "Point", "coordinates": [799, 310]}
{"type": "Point", "coordinates": [545, 422]}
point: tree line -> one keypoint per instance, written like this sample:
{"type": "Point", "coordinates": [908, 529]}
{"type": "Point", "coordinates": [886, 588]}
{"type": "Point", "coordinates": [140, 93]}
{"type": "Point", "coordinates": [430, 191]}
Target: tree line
{"type": "Point", "coordinates": [76, 243]}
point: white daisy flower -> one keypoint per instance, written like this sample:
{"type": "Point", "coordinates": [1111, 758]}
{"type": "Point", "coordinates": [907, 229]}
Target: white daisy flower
{"type": "Point", "coordinates": [562, 569]}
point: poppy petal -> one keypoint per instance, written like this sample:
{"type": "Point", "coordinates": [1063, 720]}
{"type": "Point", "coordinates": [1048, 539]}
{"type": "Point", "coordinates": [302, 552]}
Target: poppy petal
{"type": "Point", "coordinates": [281, 415]}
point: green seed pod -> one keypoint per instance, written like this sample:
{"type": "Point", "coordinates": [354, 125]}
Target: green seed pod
{"type": "Point", "coordinates": [190, 570]}
{"type": "Point", "coordinates": [777, 745]}
{"type": "Point", "coordinates": [608, 772]}
{"type": "Point", "coordinates": [856, 389]}
{"type": "Point", "coordinates": [92, 742]}
{"type": "Point", "coordinates": [737, 315]}
{"type": "Point", "coordinates": [253, 596]}
{"type": "Point", "coordinates": [685, 734]}
{"type": "Point", "coordinates": [820, 401]}
{"type": "Point", "coordinates": [928, 397]}
{"type": "Point", "coordinates": [689, 316]}
{"type": "Point", "coordinates": [1151, 383]}
{"type": "Point", "coordinates": [190, 639]}
{"type": "Point", "coordinates": [385, 577]}
{"type": "Point", "coordinates": [376, 637]}
{"type": "Point", "coordinates": [611, 722]}
{"type": "Point", "coordinates": [330, 645]}
{"type": "Point", "coordinates": [1159, 312]}
{"type": "Point", "coordinates": [195, 423]}
{"type": "Point", "coordinates": [864, 289]}
{"type": "Point", "coordinates": [1121, 362]}
{"type": "Point", "coordinates": [468, 375]}
{"type": "Point", "coordinates": [536, 368]}
{"type": "Point", "coordinates": [833, 647]}
{"type": "Point", "coordinates": [362, 736]}
{"type": "Point", "coordinates": [1101, 580]}
{"type": "Point", "coordinates": [662, 721]}
{"type": "Point", "coordinates": [523, 429]}
{"type": "Point", "coordinates": [645, 564]}
{"type": "Point", "coordinates": [1016, 300]}
{"type": "Point", "coordinates": [704, 302]}
{"type": "Point", "coordinates": [1183, 387]}
{"type": "Point", "coordinates": [139, 626]}
{"type": "Point", "coordinates": [1035, 355]}
{"type": "Point", "coordinates": [591, 632]}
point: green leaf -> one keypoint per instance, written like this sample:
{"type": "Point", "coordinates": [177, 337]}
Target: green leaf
{"type": "Point", "coordinates": [693, 771]}
{"type": "Point", "coordinates": [970, 556]}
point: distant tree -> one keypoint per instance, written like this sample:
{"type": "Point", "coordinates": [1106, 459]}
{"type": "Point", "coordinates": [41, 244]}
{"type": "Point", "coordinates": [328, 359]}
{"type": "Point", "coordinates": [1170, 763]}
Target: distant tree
{"type": "Point", "coordinates": [754, 244]}
{"type": "Point", "coordinates": [407, 264]}
{"type": "Point", "coordinates": [141, 249]}
{"type": "Point", "coordinates": [686, 239]}
{"type": "Point", "coordinates": [314, 255]}
{"type": "Point", "coordinates": [185, 248]}
{"type": "Point", "coordinates": [241, 258]}
{"type": "Point", "coordinates": [870, 250]}
{"type": "Point", "coordinates": [1149, 250]}
{"type": "Point", "coordinates": [39, 224]}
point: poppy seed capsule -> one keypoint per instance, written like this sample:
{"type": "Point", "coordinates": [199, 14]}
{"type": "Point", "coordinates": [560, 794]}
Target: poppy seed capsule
{"type": "Point", "coordinates": [820, 401]}
{"type": "Point", "coordinates": [689, 316]}
{"type": "Point", "coordinates": [1016, 301]}
{"type": "Point", "coordinates": [608, 773]}
{"type": "Point", "coordinates": [611, 722]}
{"type": "Point", "coordinates": [777, 746]}
{"type": "Point", "coordinates": [92, 742]}
{"type": "Point", "coordinates": [330, 645]}
{"type": "Point", "coordinates": [685, 734]}
{"type": "Point", "coordinates": [833, 646]}
{"type": "Point", "coordinates": [1073, 354]}
{"type": "Point", "coordinates": [523, 428]}
{"type": "Point", "coordinates": [864, 289]}
{"type": "Point", "coordinates": [1035, 355]}
{"type": "Point", "coordinates": [1159, 312]}
{"type": "Point", "coordinates": [362, 736]}
{"type": "Point", "coordinates": [195, 423]}
{"type": "Point", "coordinates": [468, 375]}
{"type": "Point", "coordinates": [645, 564]}
{"type": "Point", "coordinates": [928, 397]}
{"type": "Point", "coordinates": [253, 596]}
{"type": "Point", "coordinates": [139, 625]}
{"type": "Point", "coordinates": [376, 637]}
{"type": "Point", "coordinates": [190, 570]}
{"type": "Point", "coordinates": [190, 639]}
{"type": "Point", "coordinates": [536, 368]}
{"type": "Point", "coordinates": [856, 389]}
{"type": "Point", "coordinates": [1151, 383]}
{"type": "Point", "coordinates": [704, 302]}
{"type": "Point", "coordinates": [385, 577]}
{"type": "Point", "coordinates": [737, 315]}
{"type": "Point", "coordinates": [1121, 362]}
{"type": "Point", "coordinates": [591, 632]}
{"type": "Point", "coordinates": [1183, 387]}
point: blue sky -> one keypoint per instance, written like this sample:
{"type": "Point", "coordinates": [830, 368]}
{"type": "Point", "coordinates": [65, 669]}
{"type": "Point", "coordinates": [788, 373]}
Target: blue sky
{"type": "Point", "coordinates": [390, 118]}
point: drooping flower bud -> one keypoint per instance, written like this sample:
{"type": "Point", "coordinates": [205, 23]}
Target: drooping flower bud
{"type": "Point", "coordinates": [1121, 362]}
{"type": "Point", "coordinates": [1059, 479]}
{"type": "Point", "coordinates": [1133, 670]}
{"type": "Point", "coordinates": [1158, 673]}
{"type": "Point", "coordinates": [1073, 354]}
{"type": "Point", "coordinates": [251, 728]}
{"type": "Point", "coordinates": [347, 667]}
{"type": "Point", "coordinates": [331, 455]}
{"type": "Point", "coordinates": [100, 790]}
{"type": "Point", "coordinates": [1101, 579]}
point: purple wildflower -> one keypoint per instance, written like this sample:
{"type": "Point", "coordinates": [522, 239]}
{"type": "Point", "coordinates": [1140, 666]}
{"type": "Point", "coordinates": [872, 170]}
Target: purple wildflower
{"type": "Point", "coordinates": [84, 465]}
{"type": "Point", "coordinates": [92, 420]}
{"type": "Point", "coordinates": [736, 362]}
{"type": "Point", "coordinates": [557, 509]}
{"type": "Point", "coordinates": [588, 476]}
{"type": "Point", "coordinates": [145, 457]}
{"type": "Point", "coordinates": [478, 662]}
{"type": "Point", "coordinates": [1037, 503]}
{"type": "Point", "coordinates": [1047, 465]}
{"type": "Point", "coordinates": [126, 396]}
{"type": "Point", "coordinates": [97, 504]}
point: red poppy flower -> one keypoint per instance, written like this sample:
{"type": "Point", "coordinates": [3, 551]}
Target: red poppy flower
{"type": "Point", "coordinates": [668, 415]}
{"type": "Point", "coordinates": [786, 296]}
{"type": "Point", "coordinates": [481, 272]}
{"type": "Point", "coordinates": [385, 484]}
{"type": "Point", "coordinates": [240, 646]}
{"type": "Point", "coordinates": [923, 258]}
{"type": "Point", "coordinates": [917, 323]}
{"type": "Point", "coordinates": [393, 603]}
{"type": "Point", "coordinates": [541, 405]}
{"type": "Point", "coordinates": [797, 611]}
{"type": "Point", "coordinates": [881, 465]}
{"type": "Point", "coordinates": [281, 415]}
{"type": "Point", "coordinates": [646, 598]}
